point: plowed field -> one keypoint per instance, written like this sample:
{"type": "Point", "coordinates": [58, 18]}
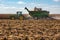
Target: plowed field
{"type": "Point", "coordinates": [29, 29]}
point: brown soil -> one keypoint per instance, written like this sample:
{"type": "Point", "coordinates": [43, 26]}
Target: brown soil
{"type": "Point", "coordinates": [29, 29]}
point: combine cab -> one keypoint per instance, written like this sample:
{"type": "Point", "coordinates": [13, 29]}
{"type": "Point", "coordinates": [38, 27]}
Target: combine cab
{"type": "Point", "coordinates": [38, 13]}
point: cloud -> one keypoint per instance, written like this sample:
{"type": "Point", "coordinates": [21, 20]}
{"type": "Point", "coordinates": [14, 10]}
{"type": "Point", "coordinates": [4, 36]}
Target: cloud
{"type": "Point", "coordinates": [5, 8]}
{"type": "Point", "coordinates": [9, 9]}
{"type": "Point", "coordinates": [21, 2]}
{"type": "Point", "coordinates": [53, 9]}
{"type": "Point", "coordinates": [56, 0]}
{"type": "Point", "coordinates": [1, 4]}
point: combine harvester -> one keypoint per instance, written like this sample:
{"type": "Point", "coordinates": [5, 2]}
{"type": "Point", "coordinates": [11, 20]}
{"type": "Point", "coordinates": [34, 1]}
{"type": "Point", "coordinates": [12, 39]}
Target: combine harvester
{"type": "Point", "coordinates": [38, 13]}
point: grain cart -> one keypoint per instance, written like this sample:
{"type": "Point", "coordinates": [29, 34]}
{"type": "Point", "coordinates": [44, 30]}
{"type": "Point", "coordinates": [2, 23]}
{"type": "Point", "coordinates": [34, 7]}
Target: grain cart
{"type": "Point", "coordinates": [38, 13]}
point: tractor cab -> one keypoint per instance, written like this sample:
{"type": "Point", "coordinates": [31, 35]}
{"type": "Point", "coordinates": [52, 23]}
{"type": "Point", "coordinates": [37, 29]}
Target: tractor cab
{"type": "Point", "coordinates": [19, 15]}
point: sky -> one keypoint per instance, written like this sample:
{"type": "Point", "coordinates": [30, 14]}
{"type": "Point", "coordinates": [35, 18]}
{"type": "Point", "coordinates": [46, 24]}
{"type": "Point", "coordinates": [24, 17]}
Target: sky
{"type": "Point", "coordinates": [12, 6]}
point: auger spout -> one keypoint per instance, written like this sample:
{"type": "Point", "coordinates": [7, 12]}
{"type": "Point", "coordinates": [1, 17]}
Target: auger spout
{"type": "Point", "coordinates": [26, 9]}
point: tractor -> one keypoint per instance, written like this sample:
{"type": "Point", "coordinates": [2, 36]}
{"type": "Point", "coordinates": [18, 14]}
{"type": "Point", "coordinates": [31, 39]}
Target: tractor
{"type": "Point", "coordinates": [17, 16]}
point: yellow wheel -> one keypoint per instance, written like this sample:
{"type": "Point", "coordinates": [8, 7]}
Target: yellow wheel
{"type": "Point", "coordinates": [12, 18]}
{"type": "Point", "coordinates": [21, 17]}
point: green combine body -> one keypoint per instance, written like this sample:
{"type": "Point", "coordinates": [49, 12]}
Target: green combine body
{"type": "Point", "coordinates": [38, 14]}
